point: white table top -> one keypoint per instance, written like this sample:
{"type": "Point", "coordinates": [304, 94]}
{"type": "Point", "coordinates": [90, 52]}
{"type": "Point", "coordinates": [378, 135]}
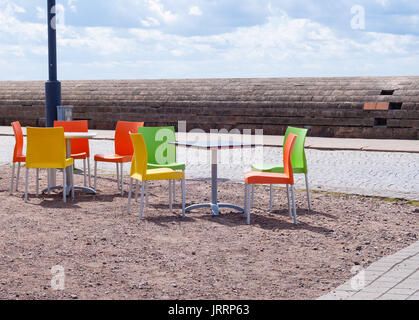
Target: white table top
{"type": "Point", "coordinates": [79, 135]}
{"type": "Point", "coordinates": [211, 145]}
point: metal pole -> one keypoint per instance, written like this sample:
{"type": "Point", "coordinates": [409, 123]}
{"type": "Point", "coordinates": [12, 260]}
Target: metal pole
{"type": "Point", "coordinates": [53, 86]}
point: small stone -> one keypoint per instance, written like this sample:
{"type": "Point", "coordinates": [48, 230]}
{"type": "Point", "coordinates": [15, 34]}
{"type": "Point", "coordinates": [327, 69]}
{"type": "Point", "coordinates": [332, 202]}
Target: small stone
{"type": "Point", "coordinates": [74, 296]}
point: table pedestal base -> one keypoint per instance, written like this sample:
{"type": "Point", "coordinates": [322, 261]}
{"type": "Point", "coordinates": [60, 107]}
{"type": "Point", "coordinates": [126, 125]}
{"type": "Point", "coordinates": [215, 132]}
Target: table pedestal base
{"type": "Point", "coordinates": [86, 189]}
{"type": "Point", "coordinates": [215, 208]}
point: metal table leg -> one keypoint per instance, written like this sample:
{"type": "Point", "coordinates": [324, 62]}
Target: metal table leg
{"type": "Point", "coordinates": [214, 205]}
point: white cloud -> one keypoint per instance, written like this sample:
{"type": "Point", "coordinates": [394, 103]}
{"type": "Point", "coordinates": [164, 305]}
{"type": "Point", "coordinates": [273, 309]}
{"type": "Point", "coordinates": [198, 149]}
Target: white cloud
{"type": "Point", "coordinates": [195, 11]}
{"type": "Point", "coordinates": [158, 8]}
{"type": "Point", "coordinates": [150, 22]}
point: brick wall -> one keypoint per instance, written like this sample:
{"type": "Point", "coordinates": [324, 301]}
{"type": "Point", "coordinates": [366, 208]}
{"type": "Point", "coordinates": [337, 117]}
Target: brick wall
{"type": "Point", "coordinates": [332, 107]}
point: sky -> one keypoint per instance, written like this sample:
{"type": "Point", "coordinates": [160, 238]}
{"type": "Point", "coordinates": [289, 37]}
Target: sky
{"type": "Point", "coordinates": [161, 39]}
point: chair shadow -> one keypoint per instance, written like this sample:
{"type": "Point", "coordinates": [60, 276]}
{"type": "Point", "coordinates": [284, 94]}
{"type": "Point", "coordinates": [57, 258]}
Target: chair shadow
{"type": "Point", "coordinates": [233, 219]}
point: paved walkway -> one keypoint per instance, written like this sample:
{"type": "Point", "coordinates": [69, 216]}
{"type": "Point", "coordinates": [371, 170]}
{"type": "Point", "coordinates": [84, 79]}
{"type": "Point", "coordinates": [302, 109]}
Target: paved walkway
{"type": "Point", "coordinates": [394, 277]}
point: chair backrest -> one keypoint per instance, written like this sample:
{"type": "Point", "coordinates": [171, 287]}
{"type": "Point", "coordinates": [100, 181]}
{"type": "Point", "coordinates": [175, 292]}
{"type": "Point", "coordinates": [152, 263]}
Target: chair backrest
{"type": "Point", "coordinates": [139, 159]}
{"type": "Point", "coordinates": [299, 159]}
{"type": "Point", "coordinates": [77, 145]}
{"type": "Point", "coordinates": [45, 148]}
{"type": "Point", "coordinates": [157, 140]}
{"type": "Point", "coordinates": [288, 151]}
{"type": "Point", "coordinates": [123, 144]}
{"type": "Point", "coordinates": [17, 129]}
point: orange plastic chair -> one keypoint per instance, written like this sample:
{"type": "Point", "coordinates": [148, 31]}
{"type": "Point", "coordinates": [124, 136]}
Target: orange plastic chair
{"type": "Point", "coordinates": [80, 149]}
{"type": "Point", "coordinates": [123, 150]}
{"type": "Point", "coordinates": [287, 178]}
{"type": "Point", "coordinates": [18, 156]}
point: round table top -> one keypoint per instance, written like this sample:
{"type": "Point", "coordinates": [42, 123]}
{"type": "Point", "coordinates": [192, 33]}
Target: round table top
{"type": "Point", "coordinates": [80, 135]}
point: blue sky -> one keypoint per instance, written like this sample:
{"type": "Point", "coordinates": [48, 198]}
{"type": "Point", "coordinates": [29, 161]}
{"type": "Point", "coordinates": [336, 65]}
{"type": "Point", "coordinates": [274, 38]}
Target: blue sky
{"type": "Point", "coordinates": [152, 39]}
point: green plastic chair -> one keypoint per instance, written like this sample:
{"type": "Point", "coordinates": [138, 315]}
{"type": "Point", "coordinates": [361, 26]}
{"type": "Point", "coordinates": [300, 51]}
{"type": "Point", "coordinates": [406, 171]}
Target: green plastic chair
{"type": "Point", "coordinates": [161, 154]}
{"type": "Point", "coordinates": [298, 161]}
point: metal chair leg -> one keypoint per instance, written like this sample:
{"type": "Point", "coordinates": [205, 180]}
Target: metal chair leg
{"type": "Point", "coordinates": [245, 198]}
{"type": "Point", "coordinates": [95, 174]}
{"type": "Point", "coordinates": [170, 196]}
{"type": "Point", "coordinates": [137, 189]}
{"type": "Point", "coordinates": [249, 203]}
{"type": "Point", "coordinates": [308, 192]}
{"type": "Point", "coordinates": [65, 185]}
{"type": "Point", "coordinates": [18, 176]}
{"type": "Point", "coordinates": [12, 178]}
{"type": "Point", "coordinates": [117, 175]}
{"type": "Point", "coordinates": [271, 198]}
{"type": "Point", "coordinates": [146, 194]}
{"type": "Point", "coordinates": [37, 182]}
{"type": "Point", "coordinates": [84, 172]}
{"type": "Point", "coordinates": [289, 203]}
{"type": "Point", "coordinates": [174, 191]}
{"type": "Point", "coordinates": [142, 200]}
{"type": "Point", "coordinates": [72, 181]}
{"type": "Point", "coordinates": [129, 196]}
{"type": "Point", "coordinates": [122, 179]}
{"type": "Point", "coordinates": [49, 190]}
{"type": "Point", "coordinates": [293, 203]}
{"type": "Point", "coordinates": [253, 196]}
{"type": "Point", "coordinates": [183, 198]}
{"type": "Point", "coordinates": [88, 169]}
{"type": "Point", "coordinates": [26, 185]}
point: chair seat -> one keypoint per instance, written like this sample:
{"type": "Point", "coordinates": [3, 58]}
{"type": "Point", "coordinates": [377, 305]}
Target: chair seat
{"type": "Point", "coordinates": [79, 156]}
{"type": "Point", "coordinates": [40, 165]}
{"type": "Point", "coordinates": [274, 168]}
{"type": "Point", "coordinates": [115, 158]}
{"type": "Point", "coordinates": [20, 159]}
{"type": "Point", "coordinates": [173, 166]}
{"type": "Point", "coordinates": [160, 174]}
{"type": "Point", "coordinates": [266, 178]}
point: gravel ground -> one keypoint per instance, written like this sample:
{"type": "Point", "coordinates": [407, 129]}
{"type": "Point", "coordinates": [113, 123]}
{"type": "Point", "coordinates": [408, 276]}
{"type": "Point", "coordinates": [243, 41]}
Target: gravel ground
{"type": "Point", "coordinates": [107, 254]}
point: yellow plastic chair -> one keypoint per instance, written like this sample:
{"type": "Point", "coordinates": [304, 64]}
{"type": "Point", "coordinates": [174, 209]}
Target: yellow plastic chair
{"type": "Point", "coordinates": [46, 150]}
{"type": "Point", "coordinates": [140, 172]}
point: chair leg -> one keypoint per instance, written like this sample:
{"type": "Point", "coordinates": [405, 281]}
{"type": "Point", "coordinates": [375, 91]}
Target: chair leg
{"type": "Point", "coordinates": [72, 181]}
{"type": "Point", "coordinates": [95, 174]}
{"type": "Point", "coordinates": [49, 190]}
{"type": "Point", "coordinates": [84, 172]}
{"type": "Point", "coordinates": [12, 179]}
{"type": "Point", "coordinates": [26, 185]}
{"type": "Point", "coordinates": [248, 190]}
{"type": "Point", "coordinates": [245, 199]}
{"type": "Point", "coordinates": [142, 200]}
{"type": "Point", "coordinates": [88, 169]}
{"type": "Point", "coordinates": [65, 185]}
{"type": "Point", "coordinates": [146, 194]}
{"type": "Point", "coordinates": [308, 192]}
{"type": "Point", "coordinates": [293, 203]}
{"type": "Point", "coordinates": [18, 176]}
{"type": "Point", "coordinates": [170, 196]}
{"type": "Point", "coordinates": [271, 198]}
{"type": "Point", "coordinates": [174, 191]}
{"type": "Point", "coordinates": [129, 196]}
{"type": "Point", "coordinates": [183, 198]}
{"type": "Point", "coordinates": [136, 190]}
{"type": "Point", "coordinates": [122, 179]}
{"type": "Point", "coordinates": [37, 182]}
{"type": "Point", "coordinates": [289, 203]}
{"type": "Point", "coordinates": [253, 196]}
{"type": "Point", "coordinates": [117, 175]}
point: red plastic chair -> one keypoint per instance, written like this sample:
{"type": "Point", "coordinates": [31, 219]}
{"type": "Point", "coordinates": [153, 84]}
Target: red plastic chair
{"type": "Point", "coordinates": [123, 150]}
{"type": "Point", "coordinates": [18, 156]}
{"type": "Point", "coordinates": [287, 178]}
{"type": "Point", "coordinates": [80, 149]}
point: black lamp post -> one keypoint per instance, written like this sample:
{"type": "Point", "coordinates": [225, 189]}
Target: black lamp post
{"type": "Point", "coordinates": [52, 86]}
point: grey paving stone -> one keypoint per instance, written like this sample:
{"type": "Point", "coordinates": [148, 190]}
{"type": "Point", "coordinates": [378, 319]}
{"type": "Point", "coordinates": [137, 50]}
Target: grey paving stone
{"type": "Point", "coordinates": [393, 297]}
